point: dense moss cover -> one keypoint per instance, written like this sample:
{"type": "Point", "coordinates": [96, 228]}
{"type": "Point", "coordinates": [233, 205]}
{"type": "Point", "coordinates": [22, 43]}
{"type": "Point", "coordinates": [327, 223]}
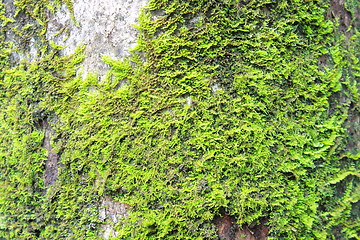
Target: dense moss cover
{"type": "Point", "coordinates": [230, 111]}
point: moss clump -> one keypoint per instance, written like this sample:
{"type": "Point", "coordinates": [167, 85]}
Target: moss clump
{"type": "Point", "coordinates": [231, 112]}
{"type": "Point", "coordinates": [27, 91]}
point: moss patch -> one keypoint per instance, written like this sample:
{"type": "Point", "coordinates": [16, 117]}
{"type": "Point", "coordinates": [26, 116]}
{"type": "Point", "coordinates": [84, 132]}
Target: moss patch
{"type": "Point", "coordinates": [231, 112]}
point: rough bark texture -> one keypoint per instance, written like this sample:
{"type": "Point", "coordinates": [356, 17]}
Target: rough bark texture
{"type": "Point", "coordinates": [113, 212]}
{"type": "Point", "coordinates": [229, 230]}
{"type": "Point", "coordinates": [339, 12]}
{"type": "Point", "coordinates": [105, 27]}
{"type": "Point", "coordinates": [51, 165]}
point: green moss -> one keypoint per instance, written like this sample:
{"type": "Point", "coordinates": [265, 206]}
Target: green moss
{"type": "Point", "coordinates": [230, 112]}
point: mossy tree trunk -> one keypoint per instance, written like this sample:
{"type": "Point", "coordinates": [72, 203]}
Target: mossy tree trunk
{"type": "Point", "coordinates": [229, 119]}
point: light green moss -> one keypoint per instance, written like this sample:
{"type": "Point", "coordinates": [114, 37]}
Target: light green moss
{"type": "Point", "coordinates": [230, 112]}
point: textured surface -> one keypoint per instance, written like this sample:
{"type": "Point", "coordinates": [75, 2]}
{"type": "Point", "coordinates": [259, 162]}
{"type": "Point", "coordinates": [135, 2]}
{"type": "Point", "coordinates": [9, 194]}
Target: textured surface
{"type": "Point", "coordinates": [106, 29]}
{"type": "Point", "coordinates": [104, 26]}
{"type": "Point", "coordinates": [240, 120]}
{"type": "Point", "coordinates": [51, 165]}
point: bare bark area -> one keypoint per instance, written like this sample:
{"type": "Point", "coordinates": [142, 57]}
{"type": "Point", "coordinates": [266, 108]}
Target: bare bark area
{"type": "Point", "coordinates": [112, 212]}
{"type": "Point", "coordinates": [339, 12]}
{"type": "Point", "coordinates": [103, 26]}
{"type": "Point", "coordinates": [51, 166]}
{"type": "Point", "coordinates": [229, 230]}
